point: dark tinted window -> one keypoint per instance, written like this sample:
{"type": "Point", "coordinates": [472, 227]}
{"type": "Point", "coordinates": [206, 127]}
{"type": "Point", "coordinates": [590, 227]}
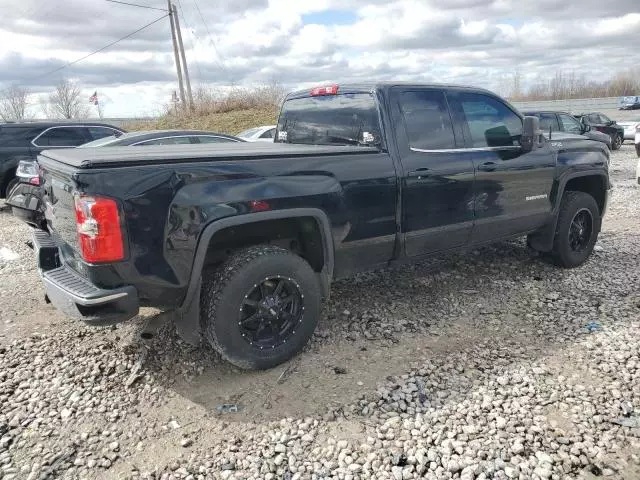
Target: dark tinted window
{"type": "Point", "coordinates": [100, 132]}
{"type": "Point", "coordinates": [570, 124]}
{"type": "Point", "coordinates": [346, 119]}
{"type": "Point", "coordinates": [548, 121]}
{"type": "Point", "coordinates": [17, 136]}
{"type": "Point", "coordinates": [63, 137]}
{"type": "Point", "coordinates": [427, 120]}
{"type": "Point", "coordinates": [269, 133]}
{"type": "Point", "coordinates": [594, 118]}
{"type": "Point", "coordinates": [491, 122]}
{"type": "Point", "coordinates": [604, 119]}
{"type": "Point", "coordinates": [207, 139]}
{"type": "Point", "coordinates": [167, 141]}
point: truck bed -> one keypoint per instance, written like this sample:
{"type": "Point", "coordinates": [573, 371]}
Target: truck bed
{"type": "Point", "coordinates": [99, 157]}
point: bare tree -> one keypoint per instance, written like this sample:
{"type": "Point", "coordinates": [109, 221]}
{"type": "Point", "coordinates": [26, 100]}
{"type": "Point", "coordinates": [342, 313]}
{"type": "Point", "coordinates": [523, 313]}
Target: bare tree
{"type": "Point", "coordinates": [67, 102]}
{"type": "Point", "coordinates": [13, 103]}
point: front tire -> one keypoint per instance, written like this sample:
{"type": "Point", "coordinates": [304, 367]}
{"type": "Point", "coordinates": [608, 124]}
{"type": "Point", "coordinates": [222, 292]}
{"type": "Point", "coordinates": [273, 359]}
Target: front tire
{"type": "Point", "coordinates": [616, 141]}
{"type": "Point", "coordinates": [260, 307]}
{"type": "Point", "coordinates": [577, 229]}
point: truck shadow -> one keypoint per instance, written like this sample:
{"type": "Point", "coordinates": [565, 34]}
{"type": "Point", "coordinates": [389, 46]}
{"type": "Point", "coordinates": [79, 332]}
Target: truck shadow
{"type": "Point", "coordinates": [475, 311]}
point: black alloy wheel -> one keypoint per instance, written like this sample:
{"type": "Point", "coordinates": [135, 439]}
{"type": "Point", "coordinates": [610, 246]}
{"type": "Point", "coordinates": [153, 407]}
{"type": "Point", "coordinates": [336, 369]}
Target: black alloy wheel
{"type": "Point", "coordinates": [581, 230]}
{"type": "Point", "coordinates": [270, 312]}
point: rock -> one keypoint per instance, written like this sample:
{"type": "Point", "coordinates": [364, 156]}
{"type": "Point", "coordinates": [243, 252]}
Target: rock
{"type": "Point", "coordinates": [186, 442]}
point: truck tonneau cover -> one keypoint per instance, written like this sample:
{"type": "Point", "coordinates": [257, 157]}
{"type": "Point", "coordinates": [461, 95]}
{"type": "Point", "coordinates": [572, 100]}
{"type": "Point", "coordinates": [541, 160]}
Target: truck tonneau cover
{"type": "Point", "coordinates": [87, 158]}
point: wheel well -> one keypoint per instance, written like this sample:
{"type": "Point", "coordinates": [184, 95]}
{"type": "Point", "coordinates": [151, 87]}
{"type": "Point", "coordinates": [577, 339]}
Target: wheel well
{"type": "Point", "coordinates": [301, 235]}
{"type": "Point", "coordinates": [594, 185]}
{"type": "Point", "coordinates": [8, 176]}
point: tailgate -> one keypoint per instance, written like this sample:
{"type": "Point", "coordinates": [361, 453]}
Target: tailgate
{"type": "Point", "coordinates": [58, 203]}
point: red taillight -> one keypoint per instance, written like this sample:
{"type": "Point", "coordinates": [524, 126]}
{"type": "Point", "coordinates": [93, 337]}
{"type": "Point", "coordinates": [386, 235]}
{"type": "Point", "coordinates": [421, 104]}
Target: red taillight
{"type": "Point", "coordinates": [34, 181]}
{"type": "Point", "coordinates": [99, 233]}
{"type": "Point", "coordinates": [259, 205]}
{"type": "Point", "coordinates": [327, 90]}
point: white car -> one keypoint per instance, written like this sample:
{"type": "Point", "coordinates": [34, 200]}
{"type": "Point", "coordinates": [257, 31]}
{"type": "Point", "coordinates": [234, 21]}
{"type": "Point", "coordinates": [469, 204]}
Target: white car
{"type": "Point", "coordinates": [259, 134]}
{"type": "Point", "coordinates": [630, 127]}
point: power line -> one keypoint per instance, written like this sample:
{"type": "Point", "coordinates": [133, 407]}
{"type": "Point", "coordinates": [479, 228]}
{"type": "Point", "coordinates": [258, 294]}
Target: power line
{"type": "Point", "coordinates": [136, 5]}
{"type": "Point", "coordinates": [213, 43]}
{"type": "Point", "coordinates": [100, 49]}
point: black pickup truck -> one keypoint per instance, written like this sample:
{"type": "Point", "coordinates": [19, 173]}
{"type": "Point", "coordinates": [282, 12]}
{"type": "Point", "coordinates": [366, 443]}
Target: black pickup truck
{"type": "Point", "coordinates": [242, 241]}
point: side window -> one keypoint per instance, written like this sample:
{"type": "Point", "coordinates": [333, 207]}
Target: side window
{"type": "Point", "coordinates": [594, 119]}
{"type": "Point", "coordinates": [100, 132]}
{"type": "Point", "coordinates": [63, 137]}
{"type": "Point", "coordinates": [167, 141]}
{"type": "Point", "coordinates": [491, 123]}
{"type": "Point", "coordinates": [269, 133]}
{"type": "Point", "coordinates": [548, 121]}
{"type": "Point", "coordinates": [570, 124]}
{"type": "Point", "coordinates": [206, 139]}
{"type": "Point", "coordinates": [604, 119]}
{"type": "Point", "coordinates": [427, 119]}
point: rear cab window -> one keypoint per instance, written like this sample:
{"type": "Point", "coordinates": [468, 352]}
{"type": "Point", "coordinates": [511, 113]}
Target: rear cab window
{"type": "Point", "coordinates": [336, 119]}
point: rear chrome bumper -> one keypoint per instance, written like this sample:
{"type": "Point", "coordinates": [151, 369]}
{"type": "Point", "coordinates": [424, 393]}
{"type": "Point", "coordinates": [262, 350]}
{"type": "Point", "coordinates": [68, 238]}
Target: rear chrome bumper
{"type": "Point", "coordinates": [76, 296]}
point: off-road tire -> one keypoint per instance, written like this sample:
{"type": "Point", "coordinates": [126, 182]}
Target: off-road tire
{"type": "Point", "coordinates": [224, 289]}
{"type": "Point", "coordinates": [572, 203]}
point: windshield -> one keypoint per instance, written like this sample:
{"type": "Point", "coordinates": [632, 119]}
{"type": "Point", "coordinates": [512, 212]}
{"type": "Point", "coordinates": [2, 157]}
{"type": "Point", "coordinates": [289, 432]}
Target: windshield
{"type": "Point", "coordinates": [346, 119]}
{"type": "Point", "coordinates": [629, 99]}
{"type": "Point", "coordinates": [248, 133]}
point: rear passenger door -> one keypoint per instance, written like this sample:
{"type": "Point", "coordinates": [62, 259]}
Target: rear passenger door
{"type": "Point", "coordinates": [437, 183]}
{"type": "Point", "coordinates": [512, 188]}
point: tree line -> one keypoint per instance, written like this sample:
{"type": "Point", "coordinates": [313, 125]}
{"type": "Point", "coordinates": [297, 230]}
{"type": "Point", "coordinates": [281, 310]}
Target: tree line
{"type": "Point", "coordinates": [568, 85]}
{"type": "Point", "coordinates": [65, 101]}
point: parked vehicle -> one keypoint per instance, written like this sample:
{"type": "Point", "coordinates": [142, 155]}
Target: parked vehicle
{"type": "Point", "coordinates": [243, 241]}
{"type": "Point", "coordinates": [565, 122]}
{"type": "Point", "coordinates": [630, 103]}
{"type": "Point", "coordinates": [23, 141]}
{"type": "Point", "coordinates": [259, 134]}
{"type": "Point", "coordinates": [162, 137]}
{"type": "Point", "coordinates": [630, 127]}
{"type": "Point", "coordinates": [602, 123]}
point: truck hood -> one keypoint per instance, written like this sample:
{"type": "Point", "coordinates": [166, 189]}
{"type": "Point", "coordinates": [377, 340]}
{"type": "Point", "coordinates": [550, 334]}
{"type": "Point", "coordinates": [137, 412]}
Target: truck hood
{"type": "Point", "coordinates": [88, 158]}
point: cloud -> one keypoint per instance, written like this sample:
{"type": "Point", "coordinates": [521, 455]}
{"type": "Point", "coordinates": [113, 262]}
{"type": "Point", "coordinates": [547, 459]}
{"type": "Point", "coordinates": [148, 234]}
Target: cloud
{"type": "Point", "coordinates": [297, 43]}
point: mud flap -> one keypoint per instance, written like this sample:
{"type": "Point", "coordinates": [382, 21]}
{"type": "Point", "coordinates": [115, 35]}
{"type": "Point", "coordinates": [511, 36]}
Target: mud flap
{"type": "Point", "coordinates": [187, 321]}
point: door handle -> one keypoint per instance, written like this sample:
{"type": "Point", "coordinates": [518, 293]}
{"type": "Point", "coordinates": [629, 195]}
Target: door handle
{"type": "Point", "coordinates": [419, 173]}
{"type": "Point", "coordinates": [487, 166]}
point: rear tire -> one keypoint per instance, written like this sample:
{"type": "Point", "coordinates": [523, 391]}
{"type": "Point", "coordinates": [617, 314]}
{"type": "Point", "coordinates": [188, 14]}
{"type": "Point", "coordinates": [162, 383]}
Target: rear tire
{"type": "Point", "coordinates": [9, 186]}
{"type": "Point", "coordinates": [277, 289]}
{"type": "Point", "coordinates": [616, 141]}
{"type": "Point", "coordinates": [577, 229]}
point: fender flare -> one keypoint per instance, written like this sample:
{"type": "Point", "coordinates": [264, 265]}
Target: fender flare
{"type": "Point", "coordinates": [325, 276]}
{"type": "Point", "coordinates": [542, 240]}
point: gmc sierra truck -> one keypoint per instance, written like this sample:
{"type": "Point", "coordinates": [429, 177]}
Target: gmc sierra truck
{"type": "Point", "coordinates": [242, 241]}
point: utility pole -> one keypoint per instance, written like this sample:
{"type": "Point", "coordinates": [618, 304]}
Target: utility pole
{"type": "Point", "coordinates": [172, 18]}
{"type": "Point", "coordinates": [182, 56]}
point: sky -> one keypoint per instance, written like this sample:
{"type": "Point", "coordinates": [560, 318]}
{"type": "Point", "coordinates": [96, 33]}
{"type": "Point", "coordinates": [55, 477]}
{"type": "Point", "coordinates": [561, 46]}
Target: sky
{"type": "Point", "coordinates": [302, 43]}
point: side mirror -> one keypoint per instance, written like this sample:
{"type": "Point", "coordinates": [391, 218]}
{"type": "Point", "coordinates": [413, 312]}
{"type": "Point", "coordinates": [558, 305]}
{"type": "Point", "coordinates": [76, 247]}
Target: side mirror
{"type": "Point", "coordinates": [531, 134]}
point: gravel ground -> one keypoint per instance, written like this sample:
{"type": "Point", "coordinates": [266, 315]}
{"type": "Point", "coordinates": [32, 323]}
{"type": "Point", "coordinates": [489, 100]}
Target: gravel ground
{"type": "Point", "coordinates": [493, 364]}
